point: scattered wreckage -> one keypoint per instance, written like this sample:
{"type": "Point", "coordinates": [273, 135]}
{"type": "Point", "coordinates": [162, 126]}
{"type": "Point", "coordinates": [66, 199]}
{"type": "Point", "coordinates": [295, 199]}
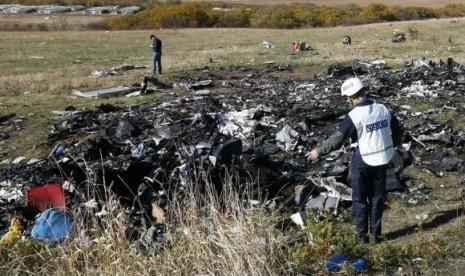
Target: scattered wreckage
{"type": "Point", "coordinates": [117, 70]}
{"type": "Point", "coordinates": [253, 125]}
{"type": "Point", "coordinates": [300, 46]}
{"type": "Point", "coordinates": [346, 40]}
{"type": "Point", "coordinates": [398, 37]}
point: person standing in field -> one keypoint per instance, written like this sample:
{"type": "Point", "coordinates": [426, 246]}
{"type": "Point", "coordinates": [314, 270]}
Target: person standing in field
{"type": "Point", "coordinates": [156, 54]}
{"type": "Point", "coordinates": [374, 132]}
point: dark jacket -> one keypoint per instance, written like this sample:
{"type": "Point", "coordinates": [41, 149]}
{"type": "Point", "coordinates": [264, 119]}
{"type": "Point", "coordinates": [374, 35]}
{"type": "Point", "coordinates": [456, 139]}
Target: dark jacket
{"type": "Point", "coordinates": [156, 45]}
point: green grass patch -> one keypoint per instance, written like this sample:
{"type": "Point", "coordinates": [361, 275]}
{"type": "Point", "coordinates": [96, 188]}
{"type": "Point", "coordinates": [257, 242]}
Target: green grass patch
{"type": "Point", "coordinates": [456, 119]}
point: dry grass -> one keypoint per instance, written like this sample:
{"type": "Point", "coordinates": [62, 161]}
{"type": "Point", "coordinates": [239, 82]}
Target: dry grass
{"type": "Point", "coordinates": [200, 239]}
{"type": "Point", "coordinates": [74, 54]}
{"type": "Point", "coordinates": [219, 234]}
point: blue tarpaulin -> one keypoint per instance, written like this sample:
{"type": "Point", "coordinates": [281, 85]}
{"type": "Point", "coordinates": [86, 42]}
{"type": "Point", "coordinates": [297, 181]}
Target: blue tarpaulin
{"type": "Point", "coordinates": [52, 225]}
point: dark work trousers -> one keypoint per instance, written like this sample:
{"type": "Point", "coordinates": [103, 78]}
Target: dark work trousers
{"type": "Point", "coordinates": [368, 191]}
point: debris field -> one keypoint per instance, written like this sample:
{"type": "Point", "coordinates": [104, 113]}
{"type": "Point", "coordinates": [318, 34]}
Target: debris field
{"type": "Point", "coordinates": [253, 124]}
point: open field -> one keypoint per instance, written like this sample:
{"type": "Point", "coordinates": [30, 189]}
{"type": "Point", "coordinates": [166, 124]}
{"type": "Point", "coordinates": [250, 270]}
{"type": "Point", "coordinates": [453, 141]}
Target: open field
{"type": "Point", "coordinates": [361, 3]}
{"type": "Point", "coordinates": [39, 71]}
{"type": "Point", "coordinates": [45, 67]}
{"type": "Point", "coordinates": [30, 52]}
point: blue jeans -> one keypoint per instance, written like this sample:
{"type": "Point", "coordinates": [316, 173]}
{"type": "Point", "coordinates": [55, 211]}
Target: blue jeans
{"type": "Point", "coordinates": [368, 191]}
{"type": "Point", "coordinates": [156, 59]}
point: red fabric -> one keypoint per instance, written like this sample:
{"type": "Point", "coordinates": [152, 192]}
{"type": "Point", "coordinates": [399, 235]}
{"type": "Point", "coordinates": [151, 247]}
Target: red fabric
{"type": "Point", "coordinates": [295, 46]}
{"type": "Point", "coordinates": [46, 196]}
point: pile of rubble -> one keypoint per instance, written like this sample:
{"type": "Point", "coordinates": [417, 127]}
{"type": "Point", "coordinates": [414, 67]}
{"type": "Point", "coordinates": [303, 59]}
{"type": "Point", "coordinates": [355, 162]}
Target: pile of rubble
{"type": "Point", "coordinates": [249, 123]}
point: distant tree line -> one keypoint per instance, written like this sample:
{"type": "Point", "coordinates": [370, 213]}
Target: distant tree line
{"type": "Point", "coordinates": [176, 14]}
{"type": "Point", "coordinates": [199, 15]}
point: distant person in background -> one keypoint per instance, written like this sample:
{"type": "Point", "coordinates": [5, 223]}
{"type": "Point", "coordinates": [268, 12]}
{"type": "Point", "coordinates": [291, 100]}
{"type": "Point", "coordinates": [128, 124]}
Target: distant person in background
{"type": "Point", "coordinates": [156, 54]}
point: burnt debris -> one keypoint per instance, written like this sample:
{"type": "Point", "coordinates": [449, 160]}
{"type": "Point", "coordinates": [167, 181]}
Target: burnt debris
{"type": "Point", "coordinates": [398, 37]}
{"type": "Point", "coordinates": [251, 124]}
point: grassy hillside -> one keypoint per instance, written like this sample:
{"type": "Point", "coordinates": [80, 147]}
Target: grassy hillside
{"type": "Point", "coordinates": [290, 16]}
{"type": "Point", "coordinates": [176, 15]}
{"type": "Point", "coordinates": [417, 3]}
{"type": "Point", "coordinates": [47, 67]}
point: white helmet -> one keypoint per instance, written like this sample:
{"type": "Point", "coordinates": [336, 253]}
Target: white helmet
{"type": "Point", "coordinates": [351, 86]}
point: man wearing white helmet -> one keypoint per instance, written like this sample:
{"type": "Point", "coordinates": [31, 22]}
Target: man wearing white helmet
{"type": "Point", "coordinates": [374, 132]}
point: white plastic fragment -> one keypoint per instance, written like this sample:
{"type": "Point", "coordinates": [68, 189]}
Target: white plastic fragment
{"type": "Point", "coordinates": [299, 218]}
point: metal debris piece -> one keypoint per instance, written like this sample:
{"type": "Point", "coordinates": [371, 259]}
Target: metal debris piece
{"type": "Point", "coordinates": [200, 85]}
{"type": "Point", "coordinates": [106, 92]}
{"type": "Point", "coordinates": [398, 37]}
{"type": "Point", "coordinates": [323, 202]}
{"type": "Point", "coordinates": [268, 44]}
{"type": "Point", "coordinates": [346, 40]}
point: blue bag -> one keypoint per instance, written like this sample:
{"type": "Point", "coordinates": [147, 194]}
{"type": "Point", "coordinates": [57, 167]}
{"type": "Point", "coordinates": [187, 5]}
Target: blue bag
{"type": "Point", "coordinates": [52, 225]}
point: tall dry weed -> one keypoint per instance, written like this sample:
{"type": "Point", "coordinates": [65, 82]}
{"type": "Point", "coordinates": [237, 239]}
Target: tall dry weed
{"type": "Point", "coordinates": [207, 233]}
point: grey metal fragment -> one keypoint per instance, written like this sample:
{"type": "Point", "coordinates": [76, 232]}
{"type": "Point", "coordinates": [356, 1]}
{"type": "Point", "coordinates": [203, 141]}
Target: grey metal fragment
{"type": "Point", "coordinates": [106, 92]}
{"type": "Point", "coordinates": [323, 202]}
{"type": "Point", "coordinates": [200, 84]}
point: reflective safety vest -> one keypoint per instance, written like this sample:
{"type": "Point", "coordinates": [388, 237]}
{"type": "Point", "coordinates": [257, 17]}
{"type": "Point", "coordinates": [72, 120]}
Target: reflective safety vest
{"type": "Point", "coordinates": [373, 124]}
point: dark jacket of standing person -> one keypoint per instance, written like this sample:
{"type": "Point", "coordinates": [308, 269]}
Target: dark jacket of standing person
{"type": "Point", "coordinates": [374, 133]}
{"type": "Point", "coordinates": [156, 44]}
